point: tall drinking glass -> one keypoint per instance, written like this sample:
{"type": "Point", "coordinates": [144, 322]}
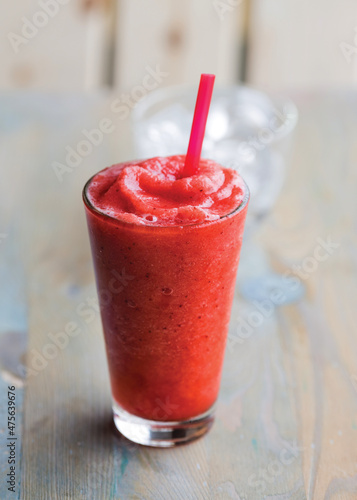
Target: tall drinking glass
{"type": "Point", "coordinates": [165, 296]}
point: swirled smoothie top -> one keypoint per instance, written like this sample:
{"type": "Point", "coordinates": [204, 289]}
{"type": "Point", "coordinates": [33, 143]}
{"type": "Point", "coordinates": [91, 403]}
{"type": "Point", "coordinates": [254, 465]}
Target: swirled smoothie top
{"type": "Point", "coordinates": [151, 192]}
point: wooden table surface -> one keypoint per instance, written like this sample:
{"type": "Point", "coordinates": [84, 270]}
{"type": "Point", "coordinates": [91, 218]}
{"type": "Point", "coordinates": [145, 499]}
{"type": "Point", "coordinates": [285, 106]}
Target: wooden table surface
{"type": "Point", "coordinates": [286, 425]}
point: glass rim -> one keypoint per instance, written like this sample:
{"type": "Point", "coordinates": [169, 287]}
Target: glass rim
{"type": "Point", "coordinates": [159, 95]}
{"type": "Point", "coordinates": [115, 220]}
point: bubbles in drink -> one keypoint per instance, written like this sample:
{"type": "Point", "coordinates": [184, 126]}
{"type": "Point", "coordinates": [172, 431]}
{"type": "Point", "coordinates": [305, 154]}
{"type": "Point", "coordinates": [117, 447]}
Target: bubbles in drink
{"type": "Point", "coordinates": [150, 218]}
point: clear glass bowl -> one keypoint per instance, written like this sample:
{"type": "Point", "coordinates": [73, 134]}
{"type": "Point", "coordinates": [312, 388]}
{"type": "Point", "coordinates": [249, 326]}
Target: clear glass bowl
{"type": "Point", "coordinates": [247, 130]}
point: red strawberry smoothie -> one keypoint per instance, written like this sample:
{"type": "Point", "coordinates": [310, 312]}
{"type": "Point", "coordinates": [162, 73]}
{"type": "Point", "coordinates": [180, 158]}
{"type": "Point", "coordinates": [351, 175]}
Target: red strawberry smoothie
{"type": "Point", "coordinates": [166, 253]}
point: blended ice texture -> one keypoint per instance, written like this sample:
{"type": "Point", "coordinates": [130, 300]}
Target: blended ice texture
{"type": "Point", "coordinates": [165, 280]}
{"type": "Point", "coordinates": [152, 192]}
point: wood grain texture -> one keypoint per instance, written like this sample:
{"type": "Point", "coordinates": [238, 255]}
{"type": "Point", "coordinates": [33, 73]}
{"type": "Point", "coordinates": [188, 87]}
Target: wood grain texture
{"type": "Point", "coordinates": [57, 45]}
{"type": "Point", "coordinates": [185, 38]}
{"type": "Point", "coordinates": [292, 43]}
{"type": "Point", "coordinates": [320, 331]}
{"type": "Point", "coordinates": [286, 425]}
{"type": "Point", "coordinates": [301, 44]}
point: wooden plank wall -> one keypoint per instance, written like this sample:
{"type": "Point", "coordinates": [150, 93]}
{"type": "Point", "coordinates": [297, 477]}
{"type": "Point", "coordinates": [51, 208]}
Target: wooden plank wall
{"type": "Point", "coordinates": [87, 44]}
{"type": "Point", "coordinates": [186, 38]}
{"type": "Point", "coordinates": [302, 44]}
{"type": "Point", "coordinates": [61, 49]}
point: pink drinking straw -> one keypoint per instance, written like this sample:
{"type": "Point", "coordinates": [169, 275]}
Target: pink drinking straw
{"type": "Point", "coordinates": [198, 125]}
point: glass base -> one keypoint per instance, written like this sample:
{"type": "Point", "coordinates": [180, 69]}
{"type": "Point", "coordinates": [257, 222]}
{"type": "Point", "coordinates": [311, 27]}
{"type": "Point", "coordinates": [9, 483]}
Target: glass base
{"type": "Point", "coordinates": [161, 434]}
